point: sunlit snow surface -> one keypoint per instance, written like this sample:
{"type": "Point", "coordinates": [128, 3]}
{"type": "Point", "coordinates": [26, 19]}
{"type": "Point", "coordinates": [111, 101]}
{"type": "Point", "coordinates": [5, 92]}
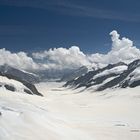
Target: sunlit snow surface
{"type": "Point", "coordinates": [65, 114]}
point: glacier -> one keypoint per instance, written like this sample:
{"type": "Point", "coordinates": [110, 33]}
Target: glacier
{"type": "Point", "coordinates": [66, 114]}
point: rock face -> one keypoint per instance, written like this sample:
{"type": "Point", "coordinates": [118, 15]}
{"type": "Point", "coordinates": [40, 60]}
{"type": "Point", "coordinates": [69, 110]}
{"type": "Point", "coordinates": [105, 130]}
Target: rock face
{"type": "Point", "coordinates": [76, 73]}
{"type": "Point", "coordinates": [9, 87]}
{"type": "Point", "coordinates": [114, 75]}
{"type": "Point", "coordinates": [61, 75]}
{"type": "Point", "coordinates": [12, 83]}
{"type": "Point", "coordinates": [23, 75]}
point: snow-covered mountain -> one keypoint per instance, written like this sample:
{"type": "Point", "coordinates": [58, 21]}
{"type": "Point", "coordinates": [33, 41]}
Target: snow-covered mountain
{"type": "Point", "coordinates": [16, 83]}
{"type": "Point", "coordinates": [75, 73]}
{"type": "Point", "coordinates": [112, 76]}
{"type": "Point", "coordinates": [20, 74]}
{"type": "Point", "coordinates": [61, 74]}
{"type": "Point", "coordinates": [63, 114]}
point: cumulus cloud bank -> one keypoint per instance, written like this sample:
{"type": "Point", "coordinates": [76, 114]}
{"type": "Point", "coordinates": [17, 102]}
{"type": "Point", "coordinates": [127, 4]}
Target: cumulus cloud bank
{"type": "Point", "coordinates": [61, 58]}
{"type": "Point", "coordinates": [18, 60]}
{"type": "Point", "coordinates": [122, 50]}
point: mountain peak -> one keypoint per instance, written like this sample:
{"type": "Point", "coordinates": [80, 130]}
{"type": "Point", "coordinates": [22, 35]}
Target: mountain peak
{"type": "Point", "coordinates": [111, 76]}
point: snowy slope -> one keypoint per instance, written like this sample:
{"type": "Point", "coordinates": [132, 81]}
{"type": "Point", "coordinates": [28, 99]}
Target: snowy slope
{"type": "Point", "coordinates": [65, 115]}
{"type": "Point", "coordinates": [134, 76]}
{"type": "Point", "coordinates": [19, 73]}
{"type": "Point", "coordinates": [16, 85]}
{"type": "Point", "coordinates": [116, 70]}
{"type": "Point", "coordinates": [114, 75]}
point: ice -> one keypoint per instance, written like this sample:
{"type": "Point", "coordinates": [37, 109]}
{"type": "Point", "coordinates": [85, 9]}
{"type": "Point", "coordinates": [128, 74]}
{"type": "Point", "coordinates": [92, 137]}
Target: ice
{"type": "Point", "coordinates": [65, 114]}
{"type": "Point", "coordinates": [135, 75]}
{"type": "Point", "coordinates": [116, 70]}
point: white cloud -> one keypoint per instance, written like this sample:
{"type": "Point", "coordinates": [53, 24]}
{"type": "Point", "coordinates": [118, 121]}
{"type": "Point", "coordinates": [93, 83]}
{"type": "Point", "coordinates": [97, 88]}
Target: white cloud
{"type": "Point", "coordinates": [17, 60]}
{"type": "Point", "coordinates": [122, 50]}
{"type": "Point", "coordinates": [63, 58]}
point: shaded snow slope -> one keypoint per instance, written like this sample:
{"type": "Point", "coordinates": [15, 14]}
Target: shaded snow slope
{"type": "Point", "coordinates": [16, 85]}
{"type": "Point", "coordinates": [114, 75]}
{"type": "Point", "coordinates": [19, 73]}
{"type": "Point", "coordinates": [65, 114]}
{"type": "Point", "coordinates": [11, 83]}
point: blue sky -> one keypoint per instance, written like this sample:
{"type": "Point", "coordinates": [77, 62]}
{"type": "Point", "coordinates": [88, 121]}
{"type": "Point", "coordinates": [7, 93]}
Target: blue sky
{"type": "Point", "coordinates": [33, 25]}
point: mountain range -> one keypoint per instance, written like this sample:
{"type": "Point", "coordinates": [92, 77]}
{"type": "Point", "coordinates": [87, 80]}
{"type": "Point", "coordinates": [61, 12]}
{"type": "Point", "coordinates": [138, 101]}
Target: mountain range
{"type": "Point", "coordinates": [119, 75]}
{"type": "Point", "coordinates": [112, 76]}
{"type": "Point", "coordinates": [17, 80]}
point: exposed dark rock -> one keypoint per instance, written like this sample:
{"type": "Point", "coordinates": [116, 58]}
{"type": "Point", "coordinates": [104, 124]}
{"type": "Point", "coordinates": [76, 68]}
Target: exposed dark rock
{"type": "Point", "coordinates": [31, 78]}
{"type": "Point", "coordinates": [74, 74]}
{"type": "Point", "coordinates": [86, 79]}
{"type": "Point", "coordinates": [11, 88]}
{"type": "Point", "coordinates": [135, 84]}
{"type": "Point", "coordinates": [27, 84]}
{"type": "Point", "coordinates": [121, 80]}
{"type": "Point", "coordinates": [28, 91]}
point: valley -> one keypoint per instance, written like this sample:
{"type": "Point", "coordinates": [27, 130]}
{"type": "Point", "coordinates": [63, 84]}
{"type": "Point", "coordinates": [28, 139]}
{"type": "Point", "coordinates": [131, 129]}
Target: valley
{"type": "Point", "coordinates": [67, 114]}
